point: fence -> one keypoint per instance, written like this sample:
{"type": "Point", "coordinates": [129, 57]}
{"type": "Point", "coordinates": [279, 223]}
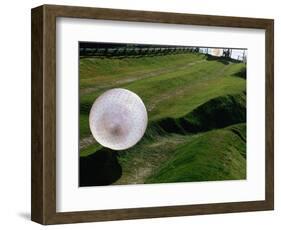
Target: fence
{"type": "Point", "coordinates": [142, 50]}
{"type": "Point", "coordinates": [135, 51]}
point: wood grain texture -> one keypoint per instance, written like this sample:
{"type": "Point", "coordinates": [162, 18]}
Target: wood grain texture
{"type": "Point", "coordinates": [44, 114]}
{"type": "Point", "coordinates": [269, 116]}
{"type": "Point", "coordinates": [37, 115]}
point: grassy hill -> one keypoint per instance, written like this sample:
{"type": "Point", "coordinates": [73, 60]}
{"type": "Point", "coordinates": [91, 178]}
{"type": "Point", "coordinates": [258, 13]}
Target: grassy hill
{"type": "Point", "coordinates": [215, 155]}
{"type": "Point", "coordinates": [191, 99]}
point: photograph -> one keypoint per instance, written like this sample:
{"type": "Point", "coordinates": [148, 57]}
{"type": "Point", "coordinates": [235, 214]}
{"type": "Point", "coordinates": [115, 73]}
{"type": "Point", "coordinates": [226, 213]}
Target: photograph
{"type": "Point", "coordinates": [141, 114]}
{"type": "Point", "coordinates": [153, 114]}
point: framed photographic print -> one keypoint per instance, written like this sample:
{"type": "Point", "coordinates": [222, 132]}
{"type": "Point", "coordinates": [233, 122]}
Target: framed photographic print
{"type": "Point", "coordinates": [140, 114]}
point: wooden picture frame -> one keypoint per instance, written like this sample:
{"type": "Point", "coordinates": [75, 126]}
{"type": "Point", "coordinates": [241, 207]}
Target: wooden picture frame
{"type": "Point", "coordinates": [43, 208]}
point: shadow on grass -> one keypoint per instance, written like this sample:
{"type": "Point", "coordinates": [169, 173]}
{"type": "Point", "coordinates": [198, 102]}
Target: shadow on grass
{"type": "Point", "coordinates": [222, 60]}
{"type": "Point", "coordinates": [99, 168]}
{"type": "Point", "coordinates": [241, 73]}
{"type": "Point", "coordinates": [216, 113]}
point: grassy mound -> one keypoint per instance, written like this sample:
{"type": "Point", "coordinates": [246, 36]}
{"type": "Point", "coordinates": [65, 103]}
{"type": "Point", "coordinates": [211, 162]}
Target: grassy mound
{"type": "Point", "coordinates": [215, 155]}
{"type": "Point", "coordinates": [218, 112]}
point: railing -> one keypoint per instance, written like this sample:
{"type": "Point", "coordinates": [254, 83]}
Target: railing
{"type": "Point", "coordinates": [135, 51]}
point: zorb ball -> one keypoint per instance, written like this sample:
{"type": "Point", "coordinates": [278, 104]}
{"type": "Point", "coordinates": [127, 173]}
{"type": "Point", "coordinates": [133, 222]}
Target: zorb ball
{"type": "Point", "coordinates": [118, 119]}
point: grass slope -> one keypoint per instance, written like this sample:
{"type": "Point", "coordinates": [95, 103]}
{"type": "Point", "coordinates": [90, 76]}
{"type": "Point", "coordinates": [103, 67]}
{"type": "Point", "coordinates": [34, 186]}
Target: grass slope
{"type": "Point", "coordinates": [215, 113]}
{"type": "Point", "coordinates": [215, 155]}
{"type": "Point", "coordinates": [189, 79]}
{"type": "Point", "coordinates": [193, 92]}
{"type": "Point", "coordinates": [162, 144]}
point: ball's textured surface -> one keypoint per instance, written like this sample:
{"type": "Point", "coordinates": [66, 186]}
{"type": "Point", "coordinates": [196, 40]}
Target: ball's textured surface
{"type": "Point", "coordinates": [118, 119]}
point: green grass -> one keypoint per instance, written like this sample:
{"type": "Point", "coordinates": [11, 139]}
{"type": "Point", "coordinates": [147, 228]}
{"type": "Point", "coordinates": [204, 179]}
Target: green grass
{"type": "Point", "coordinates": [216, 113]}
{"type": "Point", "coordinates": [215, 155]}
{"type": "Point", "coordinates": [90, 149]}
{"type": "Point", "coordinates": [164, 145]}
{"type": "Point", "coordinates": [184, 88]}
{"type": "Point", "coordinates": [190, 85]}
{"type": "Point", "coordinates": [99, 71]}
